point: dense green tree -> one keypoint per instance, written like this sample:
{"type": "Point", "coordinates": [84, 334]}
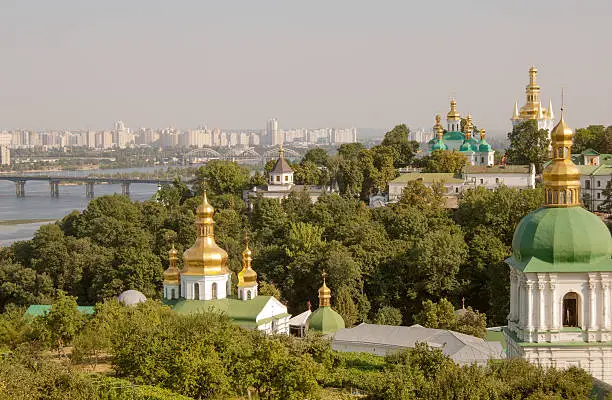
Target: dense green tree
{"type": "Point", "coordinates": [388, 316]}
{"type": "Point", "coordinates": [62, 322]}
{"type": "Point", "coordinates": [317, 156]}
{"type": "Point", "coordinates": [221, 177]}
{"type": "Point", "coordinates": [23, 286]}
{"type": "Point", "coordinates": [528, 145]}
{"type": "Point", "coordinates": [404, 149]}
{"type": "Point", "coordinates": [345, 306]}
{"type": "Point", "coordinates": [350, 151]}
{"type": "Point", "coordinates": [307, 173]}
{"type": "Point", "coordinates": [589, 137]}
{"type": "Point", "coordinates": [444, 161]}
{"type": "Point", "coordinates": [442, 315]}
{"type": "Point", "coordinates": [606, 204]}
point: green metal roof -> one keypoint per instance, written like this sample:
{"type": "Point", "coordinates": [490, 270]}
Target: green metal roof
{"type": "Point", "coordinates": [555, 239]}
{"type": "Point", "coordinates": [38, 310]}
{"type": "Point", "coordinates": [325, 320]}
{"type": "Point", "coordinates": [496, 169]}
{"type": "Point", "coordinates": [428, 177]}
{"type": "Point", "coordinates": [597, 170]}
{"type": "Point", "coordinates": [242, 312]}
{"type": "Point", "coordinates": [590, 152]}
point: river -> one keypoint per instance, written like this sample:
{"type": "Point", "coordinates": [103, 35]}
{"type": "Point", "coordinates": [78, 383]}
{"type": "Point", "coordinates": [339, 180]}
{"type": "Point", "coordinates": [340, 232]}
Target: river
{"type": "Point", "coordinates": [39, 205]}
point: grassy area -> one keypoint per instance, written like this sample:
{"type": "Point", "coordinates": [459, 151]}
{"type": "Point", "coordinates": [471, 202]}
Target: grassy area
{"type": "Point", "coordinates": [9, 222]}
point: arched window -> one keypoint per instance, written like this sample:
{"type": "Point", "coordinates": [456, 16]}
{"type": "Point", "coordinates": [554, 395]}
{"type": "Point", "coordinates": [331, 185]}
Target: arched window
{"type": "Point", "coordinates": [562, 199]}
{"type": "Point", "coordinates": [248, 295]}
{"type": "Point", "coordinates": [172, 294]}
{"type": "Point", "coordinates": [570, 196]}
{"type": "Point", "coordinates": [570, 309]}
{"type": "Point", "coordinates": [550, 198]}
{"type": "Point", "coordinates": [213, 290]}
{"type": "Point", "coordinates": [196, 291]}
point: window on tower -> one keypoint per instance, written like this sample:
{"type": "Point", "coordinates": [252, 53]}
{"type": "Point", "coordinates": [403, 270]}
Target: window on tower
{"type": "Point", "coordinates": [570, 309]}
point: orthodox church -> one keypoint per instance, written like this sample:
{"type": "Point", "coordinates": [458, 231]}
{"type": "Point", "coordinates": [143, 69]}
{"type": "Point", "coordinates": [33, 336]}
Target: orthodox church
{"type": "Point", "coordinates": [533, 110]}
{"type": "Point", "coordinates": [477, 152]}
{"type": "Point", "coordinates": [560, 275]}
{"type": "Point", "coordinates": [324, 319]}
{"type": "Point", "coordinates": [205, 282]}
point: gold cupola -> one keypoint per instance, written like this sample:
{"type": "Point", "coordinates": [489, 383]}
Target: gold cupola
{"type": "Point", "coordinates": [205, 257]}
{"type": "Point", "coordinates": [453, 114]}
{"type": "Point", "coordinates": [171, 275]}
{"type": "Point", "coordinates": [437, 125]}
{"type": "Point", "coordinates": [561, 176]}
{"type": "Point", "coordinates": [324, 293]}
{"type": "Point", "coordinates": [469, 128]}
{"type": "Point", "coordinates": [247, 277]}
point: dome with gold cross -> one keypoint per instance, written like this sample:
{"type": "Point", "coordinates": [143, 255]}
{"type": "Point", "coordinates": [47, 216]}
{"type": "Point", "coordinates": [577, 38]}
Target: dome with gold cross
{"type": "Point", "coordinates": [247, 277]}
{"type": "Point", "coordinates": [561, 236]}
{"type": "Point", "coordinates": [171, 275]}
{"type": "Point", "coordinates": [205, 257]}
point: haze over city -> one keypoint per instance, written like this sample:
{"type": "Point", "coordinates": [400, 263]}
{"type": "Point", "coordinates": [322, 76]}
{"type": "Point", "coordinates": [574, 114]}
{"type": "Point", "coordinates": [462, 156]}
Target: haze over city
{"type": "Point", "coordinates": [71, 64]}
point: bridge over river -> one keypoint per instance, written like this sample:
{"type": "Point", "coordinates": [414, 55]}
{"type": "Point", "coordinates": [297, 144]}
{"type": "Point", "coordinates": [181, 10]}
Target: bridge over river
{"type": "Point", "coordinates": [89, 182]}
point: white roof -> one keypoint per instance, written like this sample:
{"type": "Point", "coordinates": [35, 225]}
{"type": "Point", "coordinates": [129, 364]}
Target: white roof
{"type": "Point", "coordinates": [131, 297]}
{"type": "Point", "coordinates": [300, 319]}
{"type": "Point", "coordinates": [463, 349]}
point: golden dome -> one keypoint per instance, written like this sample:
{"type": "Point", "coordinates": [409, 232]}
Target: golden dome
{"type": "Point", "coordinates": [453, 114]}
{"type": "Point", "coordinates": [561, 176]}
{"type": "Point", "coordinates": [171, 275]}
{"type": "Point", "coordinates": [247, 276]}
{"type": "Point", "coordinates": [205, 257]}
{"type": "Point", "coordinates": [324, 293]}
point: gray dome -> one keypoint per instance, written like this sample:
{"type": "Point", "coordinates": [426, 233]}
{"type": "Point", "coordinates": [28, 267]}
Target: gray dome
{"type": "Point", "coordinates": [131, 298]}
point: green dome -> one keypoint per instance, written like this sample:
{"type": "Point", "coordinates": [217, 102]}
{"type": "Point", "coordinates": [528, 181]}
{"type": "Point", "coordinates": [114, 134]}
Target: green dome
{"type": "Point", "coordinates": [466, 146]}
{"type": "Point", "coordinates": [439, 145]}
{"type": "Point", "coordinates": [559, 239]}
{"type": "Point", "coordinates": [325, 320]}
{"type": "Point", "coordinates": [451, 135]}
{"type": "Point", "coordinates": [483, 146]}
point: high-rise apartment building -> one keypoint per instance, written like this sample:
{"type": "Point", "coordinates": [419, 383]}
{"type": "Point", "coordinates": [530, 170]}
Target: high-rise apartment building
{"type": "Point", "coordinates": [5, 155]}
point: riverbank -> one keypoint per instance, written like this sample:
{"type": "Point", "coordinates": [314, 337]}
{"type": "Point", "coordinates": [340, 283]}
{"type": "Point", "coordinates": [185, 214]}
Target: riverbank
{"type": "Point", "coordinates": [11, 222]}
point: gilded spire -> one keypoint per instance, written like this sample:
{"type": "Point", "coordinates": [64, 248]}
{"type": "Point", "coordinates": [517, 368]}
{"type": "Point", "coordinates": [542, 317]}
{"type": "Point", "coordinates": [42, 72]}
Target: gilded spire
{"type": "Point", "coordinates": [171, 275]}
{"type": "Point", "coordinates": [324, 293]}
{"type": "Point", "coordinates": [561, 176]}
{"type": "Point", "coordinates": [532, 108]}
{"type": "Point", "coordinates": [205, 257]}
{"type": "Point", "coordinates": [516, 111]}
{"type": "Point", "coordinates": [280, 151]}
{"type": "Point", "coordinates": [483, 133]}
{"type": "Point", "coordinates": [247, 276]}
{"type": "Point", "coordinates": [453, 114]}
{"type": "Point", "coordinates": [435, 127]}
{"type": "Point", "coordinates": [469, 128]}
{"type": "Point", "coordinates": [551, 114]}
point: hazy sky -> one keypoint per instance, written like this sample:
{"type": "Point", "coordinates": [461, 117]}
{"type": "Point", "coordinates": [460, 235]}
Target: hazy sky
{"type": "Point", "coordinates": [84, 64]}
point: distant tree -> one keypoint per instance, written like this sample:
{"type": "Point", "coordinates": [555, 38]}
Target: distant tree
{"type": "Point", "coordinates": [307, 173]}
{"type": "Point", "coordinates": [442, 315]}
{"type": "Point", "coordinates": [589, 137]}
{"type": "Point", "coordinates": [388, 316]}
{"type": "Point", "coordinates": [63, 321]}
{"type": "Point", "coordinates": [23, 286]}
{"type": "Point", "coordinates": [405, 149]}
{"type": "Point", "coordinates": [345, 306]}
{"type": "Point", "coordinates": [606, 205]}
{"type": "Point", "coordinates": [444, 161]}
{"type": "Point", "coordinates": [528, 145]}
{"type": "Point", "coordinates": [317, 156]}
{"type": "Point", "coordinates": [350, 151]}
{"type": "Point", "coordinates": [269, 289]}
{"type": "Point", "coordinates": [222, 177]}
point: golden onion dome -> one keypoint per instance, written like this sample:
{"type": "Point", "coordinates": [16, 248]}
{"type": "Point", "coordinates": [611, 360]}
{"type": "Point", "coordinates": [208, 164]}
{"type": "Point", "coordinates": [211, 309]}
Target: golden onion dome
{"type": "Point", "coordinates": [247, 276]}
{"type": "Point", "coordinates": [453, 114]}
{"type": "Point", "coordinates": [171, 275]}
{"type": "Point", "coordinates": [324, 294]}
{"type": "Point", "coordinates": [561, 176]}
{"type": "Point", "coordinates": [205, 257]}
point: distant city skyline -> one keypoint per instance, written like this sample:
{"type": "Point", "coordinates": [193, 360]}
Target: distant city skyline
{"type": "Point", "coordinates": [74, 65]}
